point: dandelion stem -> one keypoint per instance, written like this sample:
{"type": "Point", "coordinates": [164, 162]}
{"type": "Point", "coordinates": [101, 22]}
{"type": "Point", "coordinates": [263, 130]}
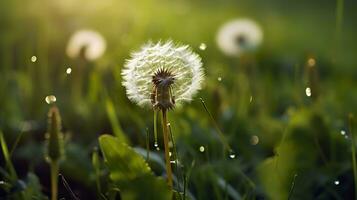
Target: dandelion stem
{"type": "Point", "coordinates": [167, 148]}
{"type": "Point", "coordinates": [54, 179]}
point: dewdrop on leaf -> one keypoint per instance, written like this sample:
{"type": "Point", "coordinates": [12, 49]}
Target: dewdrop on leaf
{"type": "Point", "coordinates": [239, 36]}
{"type": "Point", "coordinates": [162, 75]}
{"type": "Point", "coordinates": [87, 42]}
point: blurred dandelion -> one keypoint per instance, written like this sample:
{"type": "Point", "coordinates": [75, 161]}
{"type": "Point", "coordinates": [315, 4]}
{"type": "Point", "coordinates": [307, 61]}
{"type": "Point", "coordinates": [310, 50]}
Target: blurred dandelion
{"type": "Point", "coordinates": [239, 36]}
{"type": "Point", "coordinates": [160, 65]}
{"type": "Point", "coordinates": [87, 43]}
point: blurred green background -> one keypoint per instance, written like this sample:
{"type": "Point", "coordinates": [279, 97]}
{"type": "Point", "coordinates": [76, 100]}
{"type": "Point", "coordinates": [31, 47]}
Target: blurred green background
{"type": "Point", "coordinates": [298, 135]}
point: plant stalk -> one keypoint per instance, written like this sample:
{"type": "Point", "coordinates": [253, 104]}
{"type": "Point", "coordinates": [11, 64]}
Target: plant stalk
{"type": "Point", "coordinates": [54, 179]}
{"type": "Point", "coordinates": [167, 148]}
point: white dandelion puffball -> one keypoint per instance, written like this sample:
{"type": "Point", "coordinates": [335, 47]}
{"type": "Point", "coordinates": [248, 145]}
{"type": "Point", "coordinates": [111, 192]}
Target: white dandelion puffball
{"type": "Point", "coordinates": [91, 42]}
{"type": "Point", "coordinates": [239, 36]}
{"type": "Point", "coordinates": [142, 72]}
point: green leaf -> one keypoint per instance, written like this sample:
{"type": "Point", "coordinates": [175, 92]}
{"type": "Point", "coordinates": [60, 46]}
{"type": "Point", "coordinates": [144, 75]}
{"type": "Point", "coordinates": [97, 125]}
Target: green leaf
{"type": "Point", "coordinates": [114, 121]}
{"type": "Point", "coordinates": [7, 158]}
{"type": "Point", "coordinates": [131, 173]}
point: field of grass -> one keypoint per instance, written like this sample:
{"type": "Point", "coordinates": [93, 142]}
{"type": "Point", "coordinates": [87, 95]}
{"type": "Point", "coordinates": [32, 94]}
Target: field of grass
{"type": "Point", "coordinates": [277, 122]}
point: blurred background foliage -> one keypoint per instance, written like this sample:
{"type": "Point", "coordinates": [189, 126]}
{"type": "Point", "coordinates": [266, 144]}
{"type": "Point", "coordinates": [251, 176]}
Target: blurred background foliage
{"type": "Point", "coordinates": [275, 130]}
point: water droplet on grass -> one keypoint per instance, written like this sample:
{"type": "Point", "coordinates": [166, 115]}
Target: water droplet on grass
{"type": "Point", "coordinates": [170, 154]}
{"type": "Point", "coordinates": [311, 62]}
{"type": "Point", "coordinates": [337, 182]}
{"type": "Point", "coordinates": [308, 91]}
{"type": "Point", "coordinates": [68, 70]}
{"type": "Point", "coordinates": [33, 59]}
{"type": "Point", "coordinates": [251, 99]}
{"type": "Point", "coordinates": [202, 149]}
{"type": "Point", "coordinates": [254, 140]}
{"type": "Point", "coordinates": [232, 155]}
{"type": "Point", "coordinates": [343, 132]}
{"type": "Point", "coordinates": [203, 46]}
{"type": "Point", "coordinates": [219, 79]}
{"type": "Point", "coordinates": [50, 99]}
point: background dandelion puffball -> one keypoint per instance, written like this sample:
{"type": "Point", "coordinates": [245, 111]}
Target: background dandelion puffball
{"type": "Point", "coordinates": [239, 36]}
{"type": "Point", "coordinates": [181, 61]}
{"type": "Point", "coordinates": [93, 42]}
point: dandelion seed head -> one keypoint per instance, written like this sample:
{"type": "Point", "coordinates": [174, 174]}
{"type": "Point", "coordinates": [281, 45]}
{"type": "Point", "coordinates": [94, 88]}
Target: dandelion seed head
{"type": "Point", "coordinates": [180, 61]}
{"type": "Point", "coordinates": [87, 42]}
{"type": "Point", "coordinates": [239, 36]}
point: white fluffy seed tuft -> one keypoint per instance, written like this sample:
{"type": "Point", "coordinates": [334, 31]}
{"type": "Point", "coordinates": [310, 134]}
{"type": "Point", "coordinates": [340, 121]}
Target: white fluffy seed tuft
{"type": "Point", "coordinates": [181, 61]}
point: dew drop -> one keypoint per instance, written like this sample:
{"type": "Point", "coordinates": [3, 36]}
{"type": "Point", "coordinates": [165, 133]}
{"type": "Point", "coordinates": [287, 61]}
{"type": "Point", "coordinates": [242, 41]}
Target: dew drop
{"type": "Point", "coordinates": [337, 182]}
{"type": "Point", "coordinates": [157, 148]}
{"type": "Point", "coordinates": [203, 46]}
{"type": "Point", "coordinates": [343, 132]}
{"type": "Point", "coordinates": [308, 91]}
{"type": "Point", "coordinates": [68, 70]}
{"type": "Point", "coordinates": [50, 99]}
{"type": "Point", "coordinates": [33, 59]}
{"type": "Point", "coordinates": [219, 79]}
{"type": "Point", "coordinates": [232, 155]}
{"type": "Point", "coordinates": [254, 140]}
{"type": "Point", "coordinates": [170, 154]}
{"type": "Point", "coordinates": [202, 149]}
{"type": "Point", "coordinates": [156, 144]}
{"type": "Point", "coordinates": [251, 99]}
{"type": "Point", "coordinates": [311, 62]}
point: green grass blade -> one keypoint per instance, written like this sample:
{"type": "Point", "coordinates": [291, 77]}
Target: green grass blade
{"type": "Point", "coordinates": [112, 115]}
{"type": "Point", "coordinates": [7, 158]}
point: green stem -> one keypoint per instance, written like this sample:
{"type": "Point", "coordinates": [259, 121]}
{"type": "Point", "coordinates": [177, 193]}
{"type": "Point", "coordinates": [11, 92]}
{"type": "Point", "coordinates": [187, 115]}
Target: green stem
{"type": "Point", "coordinates": [167, 148]}
{"type": "Point", "coordinates": [54, 179]}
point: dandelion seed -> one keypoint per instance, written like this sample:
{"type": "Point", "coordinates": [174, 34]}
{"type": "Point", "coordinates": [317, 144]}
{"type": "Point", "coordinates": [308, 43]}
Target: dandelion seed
{"type": "Point", "coordinates": [162, 75]}
{"type": "Point", "coordinates": [239, 36]}
{"type": "Point", "coordinates": [254, 140]}
{"type": "Point", "coordinates": [203, 46]}
{"type": "Point", "coordinates": [50, 99]}
{"type": "Point", "coordinates": [308, 91]}
{"type": "Point", "coordinates": [202, 149]}
{"type": "Point", "coordinates": [68, 70]}
{"type": "Point", "coordinates": [33, 59]}
{"type": "Point", "coordinates": [89, 43]}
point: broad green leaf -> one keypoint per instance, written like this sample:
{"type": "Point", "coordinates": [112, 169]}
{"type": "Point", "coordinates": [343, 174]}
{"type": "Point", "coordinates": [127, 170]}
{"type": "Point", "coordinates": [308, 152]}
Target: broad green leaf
{"type": "Point", "coordinates": [114, 121]}
{"type": "Point", "coordinates": [130, 172]}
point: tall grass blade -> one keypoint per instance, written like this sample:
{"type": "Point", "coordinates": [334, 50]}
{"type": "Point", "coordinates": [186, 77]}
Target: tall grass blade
{"type": "Point", "coordinates": [114, 121]}
{"type": "Point", "coordinates": [220, 134]}
{"type": "Point", "coordinates": [7, 157]}
{"type": "Point", "coordinates": [353, 148]}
